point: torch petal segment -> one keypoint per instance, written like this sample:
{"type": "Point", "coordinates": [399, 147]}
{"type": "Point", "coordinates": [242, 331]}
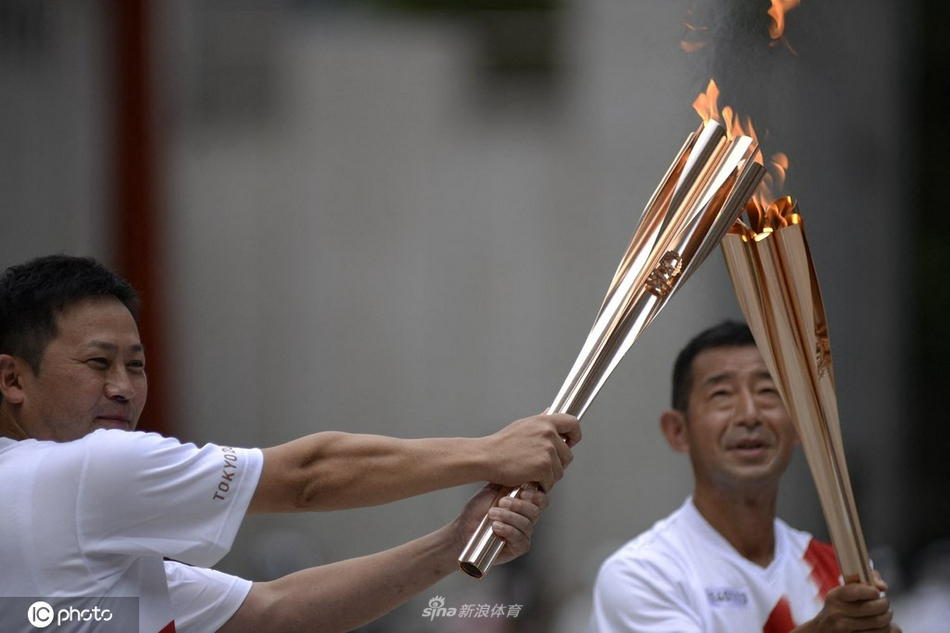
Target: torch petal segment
{"type": "Point", "coordinates": [777, 287]}
{"type": "Point", "coordinates": [698, 200]}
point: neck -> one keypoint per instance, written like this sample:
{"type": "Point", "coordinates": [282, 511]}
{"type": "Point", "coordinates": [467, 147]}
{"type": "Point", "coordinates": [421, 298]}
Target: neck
{"type": "Point", "coordinates": [745, 519]}
{"type": "Point", "coordinates": [9, 427]}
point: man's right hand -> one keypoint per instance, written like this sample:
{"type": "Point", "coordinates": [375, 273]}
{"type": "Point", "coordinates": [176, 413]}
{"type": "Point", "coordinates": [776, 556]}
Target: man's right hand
{"type": "Point", "coordinates": [535, 449]}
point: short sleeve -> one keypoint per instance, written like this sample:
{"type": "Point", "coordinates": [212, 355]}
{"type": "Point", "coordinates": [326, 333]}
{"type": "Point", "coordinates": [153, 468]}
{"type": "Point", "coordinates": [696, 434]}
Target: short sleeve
{"type": "Point", "coordinates": [143, 494]}
{"type": "Point", "coordinates": [203, 600]}
{"type": "Point", "coordinates": [643, 596]}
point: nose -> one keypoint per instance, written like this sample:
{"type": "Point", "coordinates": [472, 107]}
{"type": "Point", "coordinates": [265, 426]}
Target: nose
{"type": "Point", "coordinates": [119, 385]}
{"type": "Point", "coordinates": [747, 410]}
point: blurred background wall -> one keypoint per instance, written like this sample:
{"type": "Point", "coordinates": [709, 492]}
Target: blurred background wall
{"type": "Point", "coordinates": [400, 217]}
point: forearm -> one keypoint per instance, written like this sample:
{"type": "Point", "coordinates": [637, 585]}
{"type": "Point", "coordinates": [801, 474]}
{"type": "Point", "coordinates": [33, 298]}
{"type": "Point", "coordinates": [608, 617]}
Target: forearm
{"type": "Point", "coordinates": [345, 595]}
{"type": "Point", "coordinates": [333, 471]}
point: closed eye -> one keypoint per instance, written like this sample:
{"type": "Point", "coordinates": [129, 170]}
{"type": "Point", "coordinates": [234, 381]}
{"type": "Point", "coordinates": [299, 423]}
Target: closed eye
{"type": "Point", "coordinates": [770, 397]}
{"type": "Point", "coordinates": [720, 394]}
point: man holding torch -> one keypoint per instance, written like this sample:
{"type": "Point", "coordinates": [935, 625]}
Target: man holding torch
{"type": "Point", "coordinates": [93, 509]}
{"type": "Point", "coordinates": [723, 562]}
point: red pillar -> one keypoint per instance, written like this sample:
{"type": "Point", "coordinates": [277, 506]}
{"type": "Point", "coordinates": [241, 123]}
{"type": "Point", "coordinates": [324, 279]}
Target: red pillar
{"type": "Point", "coordinates": [138, 247]}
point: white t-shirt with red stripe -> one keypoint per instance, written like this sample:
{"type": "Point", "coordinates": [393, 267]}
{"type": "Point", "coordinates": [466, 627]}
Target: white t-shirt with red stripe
{"type": "Point", "coordinates": [682, 576]}
{"type": "Point", "coordinates": [97, 517]}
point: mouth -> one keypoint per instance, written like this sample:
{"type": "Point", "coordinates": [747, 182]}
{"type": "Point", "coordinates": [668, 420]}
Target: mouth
{"type": "Point", "coordinates": [114, 422]}
{"type": "Point", "coordinates": [751, 446]}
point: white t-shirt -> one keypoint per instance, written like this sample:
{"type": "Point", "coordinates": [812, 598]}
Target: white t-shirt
{"type": "Point", "coordinates": [682, 576]}
{"type": "Point", "coordinates": [97, 516]}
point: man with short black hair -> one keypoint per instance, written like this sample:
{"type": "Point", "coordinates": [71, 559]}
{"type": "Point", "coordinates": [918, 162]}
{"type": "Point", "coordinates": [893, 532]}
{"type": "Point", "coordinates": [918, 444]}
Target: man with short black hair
{"type": "Point", "coordinates": [723, 562]}
{"type": "Point", "coordinates": [92, 508]}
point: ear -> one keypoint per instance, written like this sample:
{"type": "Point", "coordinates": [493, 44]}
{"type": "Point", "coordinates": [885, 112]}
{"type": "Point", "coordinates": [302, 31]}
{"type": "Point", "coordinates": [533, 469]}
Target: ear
{"type": "Point", "coordinates": [10, 379]}
{"type": "Point", "coordinates": [673, 426]}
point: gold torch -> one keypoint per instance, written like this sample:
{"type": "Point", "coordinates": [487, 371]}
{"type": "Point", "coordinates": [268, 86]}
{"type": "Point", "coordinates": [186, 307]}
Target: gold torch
{"type": "Point", "coordinates": [696, 203]}
{"type": "Point", "coordinates": [775, 281]}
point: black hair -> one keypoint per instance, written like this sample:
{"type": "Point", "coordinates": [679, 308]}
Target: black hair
{"type": "Point", "coordinates": [35, 293]}
{"type": "Point", "coordinates": [726, 334]}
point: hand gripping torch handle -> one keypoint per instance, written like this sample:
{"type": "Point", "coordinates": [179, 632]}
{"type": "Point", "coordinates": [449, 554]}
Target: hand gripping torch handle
{"type": "Point", "coordinates": [484, 546]}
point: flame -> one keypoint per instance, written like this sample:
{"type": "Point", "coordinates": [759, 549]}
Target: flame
{"type": "Point", "coordinates": [773, 181]}
{"type": "Point", "coordinates": [736, 126]}
{"type": "Point", "coordinates": [706, 106]}
{"type": "Point", "coordinates": [777, 12]}
{"type": "Point", "coordinates": [777, 28]}
{"type": "Point", "coordinates": [691, 46]}
{"type": "Point", "coordinates": [764, 209]}
{"type": "Point", "coordinates": [765, 220]}
{"type": "Point", "coordinates": [779, 167]}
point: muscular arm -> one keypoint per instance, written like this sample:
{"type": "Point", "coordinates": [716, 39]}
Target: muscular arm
{"type": "Point", "coordinates": [345, 595]}
{"type": "Point", "coordinates": [333, 470]}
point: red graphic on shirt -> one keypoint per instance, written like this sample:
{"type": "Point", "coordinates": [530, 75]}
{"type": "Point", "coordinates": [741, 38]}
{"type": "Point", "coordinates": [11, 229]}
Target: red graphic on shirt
{"type": "Point", "coordinates": [780, 620]}
{"type": "Point", "coordinates": [824, 566]}
{"type": "Point", "coordinates": [168, 628]}
{"type": "Point", "coordinates": [824, 573]}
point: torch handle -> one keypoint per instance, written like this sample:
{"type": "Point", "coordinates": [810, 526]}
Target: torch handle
{"type": "Point", "coordinates": [484, 546]}
{"type": "Point", "coordinates": [700, 197]}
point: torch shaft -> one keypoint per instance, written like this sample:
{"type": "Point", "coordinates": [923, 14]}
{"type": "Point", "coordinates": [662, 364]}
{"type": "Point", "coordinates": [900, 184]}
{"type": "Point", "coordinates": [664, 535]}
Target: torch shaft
{"type": "Point", "coordinates": [701, 195]}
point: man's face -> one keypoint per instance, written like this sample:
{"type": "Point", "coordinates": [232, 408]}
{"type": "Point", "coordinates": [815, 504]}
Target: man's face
{"type": "Point", "coordinates": [92, 374]}
{"type": "Point", "coordinates": [737, 427]}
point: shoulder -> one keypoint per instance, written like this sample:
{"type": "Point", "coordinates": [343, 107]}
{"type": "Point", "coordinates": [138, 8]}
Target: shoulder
{"type": "Point", "coordinates": [103, 442]}
{"type": "Point", "coordinates": [106, 439]}
{"type": "Point", "coordinates": [98, 449]}
{"type": "Point", "coordinates": [142, 450]}
{"type": "Point", "coordinates": [111, 451]}
{"type": "Point", "coordinates": [801, 544]}
{"type": "Point", "coordinates": [650, 583]}
{"type": "Point", "coordinates": [817, 557]}
{"type": "Point", "coordinates": [653, 555]}
{"type": "Point", "coordinates": [147, 459]}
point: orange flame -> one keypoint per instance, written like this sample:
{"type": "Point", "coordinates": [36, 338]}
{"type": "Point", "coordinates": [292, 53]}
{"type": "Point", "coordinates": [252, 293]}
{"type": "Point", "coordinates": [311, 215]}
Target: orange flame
{"type": "Point", "coordinates": [777, 28]}
{"type": "Point", "coordinates": [777, 12]}
{"type": "Point", "coordinates": [706, 106]}
{"type": "Point", "coordinates": [764, 197]}
{"type": "Point", "coordinates": [691, 46]}
{"type": "Point", "coordinates": [764, 220]}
